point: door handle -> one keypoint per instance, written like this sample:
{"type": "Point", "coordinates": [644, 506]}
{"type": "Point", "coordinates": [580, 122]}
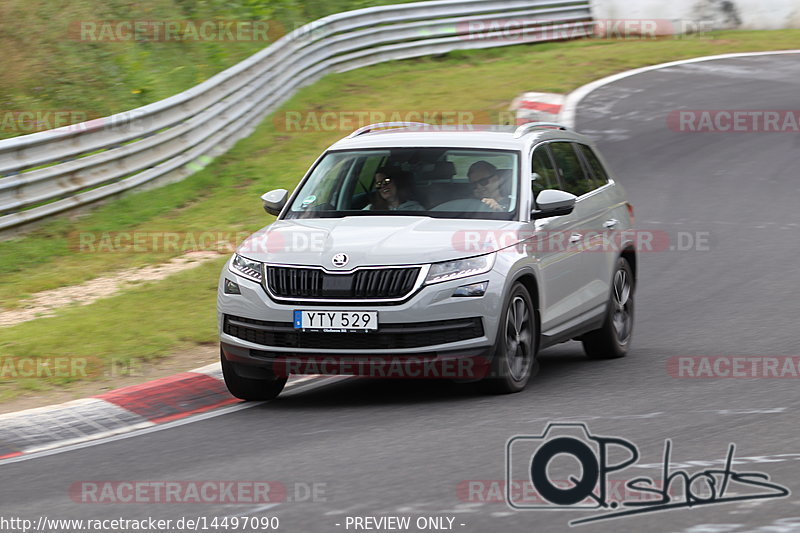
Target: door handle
{"type": "Point", "coordinates": [611, 224]}
{"type": "Point", "coordinates": [575, 238]}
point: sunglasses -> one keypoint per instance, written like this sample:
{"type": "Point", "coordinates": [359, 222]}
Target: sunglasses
{"type": "Point", "coordinates": [483, 181]}
{"type": "Point", "coordinates": [382, 183]}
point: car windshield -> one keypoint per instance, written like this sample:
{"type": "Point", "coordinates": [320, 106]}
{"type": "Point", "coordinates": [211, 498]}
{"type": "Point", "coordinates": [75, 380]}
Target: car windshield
{"type": "Point", "coordinates": [434, 182]}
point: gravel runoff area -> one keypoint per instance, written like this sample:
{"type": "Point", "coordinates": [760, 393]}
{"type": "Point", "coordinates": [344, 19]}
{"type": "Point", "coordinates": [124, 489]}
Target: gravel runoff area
{"type": "Point", "coordinates": [46, 303]}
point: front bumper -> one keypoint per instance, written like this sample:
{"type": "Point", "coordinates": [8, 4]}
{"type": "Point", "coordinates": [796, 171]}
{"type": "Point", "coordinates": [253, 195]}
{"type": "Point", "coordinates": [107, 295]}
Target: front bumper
{"type": "Point", "coordinates": [466, 365]}
{"type": "Point", "coordinates": [430, 328]}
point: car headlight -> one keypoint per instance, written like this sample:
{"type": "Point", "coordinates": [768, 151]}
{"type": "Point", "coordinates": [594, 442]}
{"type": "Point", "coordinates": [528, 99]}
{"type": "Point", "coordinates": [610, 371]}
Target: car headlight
{"type": "Point", "coordinates": [247, 268]}
{"type": "Point", "coordinates": [460, 268]}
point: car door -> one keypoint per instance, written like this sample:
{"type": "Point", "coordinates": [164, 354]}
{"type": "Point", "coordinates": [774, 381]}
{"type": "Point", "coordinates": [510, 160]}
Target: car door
{"type": "Point", "coordinates": [614, 218]}
{"type": "Point", "coordinates": [589, 279]}
{"type": "Point", "coordinates": [556, 257]}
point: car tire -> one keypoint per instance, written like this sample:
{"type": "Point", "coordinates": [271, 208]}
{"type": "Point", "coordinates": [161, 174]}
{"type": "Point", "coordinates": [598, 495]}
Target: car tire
{"type": "Point", "coordinates": [514, 361]}
{"type": "Point", "coordinates": [612, 340]}
{"type": "Point", "coordinates": [250, 389]}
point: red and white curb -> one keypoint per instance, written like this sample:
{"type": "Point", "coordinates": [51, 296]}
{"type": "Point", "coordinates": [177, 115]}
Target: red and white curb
{"type": "Point", "coordinates": [537, 107]}
{"type": "Point", "coordinates": [119, 411]}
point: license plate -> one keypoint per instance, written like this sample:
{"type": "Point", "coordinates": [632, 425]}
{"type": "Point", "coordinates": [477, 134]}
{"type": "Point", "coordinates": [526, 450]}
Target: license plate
{"type": "Point", "coordinates": [336, 321]}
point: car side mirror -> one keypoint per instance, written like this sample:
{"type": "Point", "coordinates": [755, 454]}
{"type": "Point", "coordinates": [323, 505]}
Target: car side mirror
{"type": "Point", "coordinates": [274, 201]}
{"type": "Point", "coordinates": [553, 203]}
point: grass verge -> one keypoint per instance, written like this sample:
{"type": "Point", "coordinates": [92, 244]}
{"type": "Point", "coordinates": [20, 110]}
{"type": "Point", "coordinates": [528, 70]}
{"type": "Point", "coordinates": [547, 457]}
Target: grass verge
{"type": "Point", "coordinates": [53, 67]}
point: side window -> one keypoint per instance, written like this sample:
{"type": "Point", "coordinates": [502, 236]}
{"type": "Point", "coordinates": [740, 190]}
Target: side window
{"type": "Point", "coordinates": [543, 172]}
{"type": "Point", "coordinates": [600, 174]}
{"type": "Point", "coordinates": [570, 170]}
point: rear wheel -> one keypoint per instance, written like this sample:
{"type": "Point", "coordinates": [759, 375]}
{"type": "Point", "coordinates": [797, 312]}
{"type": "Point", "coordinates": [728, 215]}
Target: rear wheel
{"type": "Point", "coordinates": [613, 339]}
{"type": "Point", "coordinates": [248, 388]}
{"type": "Point", "coordinates": [514, 360]}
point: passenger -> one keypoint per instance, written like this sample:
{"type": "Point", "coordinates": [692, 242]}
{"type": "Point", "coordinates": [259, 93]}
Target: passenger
{"type": "Point", "coordinates": [487, 185]}
{"type": "Point", "coordinates": [393, 192]}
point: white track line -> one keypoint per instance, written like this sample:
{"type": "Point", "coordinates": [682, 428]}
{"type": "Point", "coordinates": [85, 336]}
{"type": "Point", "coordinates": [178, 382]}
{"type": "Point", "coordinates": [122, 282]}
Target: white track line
{"type": "Point", "coordinates": [306, 385]}
{"type": "Point", "coordinates": [570, 107]}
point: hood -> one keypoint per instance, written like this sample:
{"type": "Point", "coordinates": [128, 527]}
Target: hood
{"type": "Point", "coordinates": [375, 240]}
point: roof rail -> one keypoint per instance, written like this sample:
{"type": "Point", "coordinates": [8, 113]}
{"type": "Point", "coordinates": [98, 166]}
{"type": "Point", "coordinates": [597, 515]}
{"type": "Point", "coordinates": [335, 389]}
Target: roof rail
{"type": "Point", "coordinates": [528, 126]}
{"type": "Point", "coordinates": [383, 125]}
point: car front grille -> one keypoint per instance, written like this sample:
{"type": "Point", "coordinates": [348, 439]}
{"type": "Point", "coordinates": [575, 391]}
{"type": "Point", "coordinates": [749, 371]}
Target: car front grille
{"type": "Point", "coordinates": [367, 283]}
{"type": "Point", "coordinates": [388, 336]}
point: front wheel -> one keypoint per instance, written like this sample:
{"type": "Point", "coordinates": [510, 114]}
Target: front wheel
{"type": "Point", "coordinates": [514, 360]}
{"type": "Point", "coordinates": [614, 337]}
{"type": "Point", "coordinates": [250, 389]}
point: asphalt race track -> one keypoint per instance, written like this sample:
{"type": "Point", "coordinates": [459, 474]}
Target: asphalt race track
{"type": "Point", "coordinates": [409, 448]}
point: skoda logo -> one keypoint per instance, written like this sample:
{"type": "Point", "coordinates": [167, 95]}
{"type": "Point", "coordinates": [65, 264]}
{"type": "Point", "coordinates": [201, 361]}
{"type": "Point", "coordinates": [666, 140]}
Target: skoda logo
{"type": "Point", "coordinates": [340, 260]}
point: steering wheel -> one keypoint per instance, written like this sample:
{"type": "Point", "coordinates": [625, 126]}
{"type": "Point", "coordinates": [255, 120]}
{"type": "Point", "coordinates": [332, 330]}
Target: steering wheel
{"type": "Point", "coordinates": [464, 204]}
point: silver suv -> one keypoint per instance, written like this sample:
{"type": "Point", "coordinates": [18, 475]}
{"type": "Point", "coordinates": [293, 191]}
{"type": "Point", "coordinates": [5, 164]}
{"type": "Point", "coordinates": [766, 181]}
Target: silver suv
{"type": "Point", "coordinates": [418, 251]}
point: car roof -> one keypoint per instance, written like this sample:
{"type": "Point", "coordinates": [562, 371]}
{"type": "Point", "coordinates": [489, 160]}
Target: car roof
{"type": "Point", "coordinates": [474, 136]}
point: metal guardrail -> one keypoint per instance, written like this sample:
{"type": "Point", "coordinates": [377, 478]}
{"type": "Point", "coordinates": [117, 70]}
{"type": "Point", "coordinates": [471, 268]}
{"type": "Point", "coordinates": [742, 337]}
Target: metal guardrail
{"type": "Point", "coordinates": [49, 172]}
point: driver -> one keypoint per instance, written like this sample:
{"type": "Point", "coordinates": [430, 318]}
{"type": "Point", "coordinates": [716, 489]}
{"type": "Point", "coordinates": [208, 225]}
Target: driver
{"type": "Point", "coordinates": [487, 185]}
{"type": "Point", "coordinates": [393, 192]}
